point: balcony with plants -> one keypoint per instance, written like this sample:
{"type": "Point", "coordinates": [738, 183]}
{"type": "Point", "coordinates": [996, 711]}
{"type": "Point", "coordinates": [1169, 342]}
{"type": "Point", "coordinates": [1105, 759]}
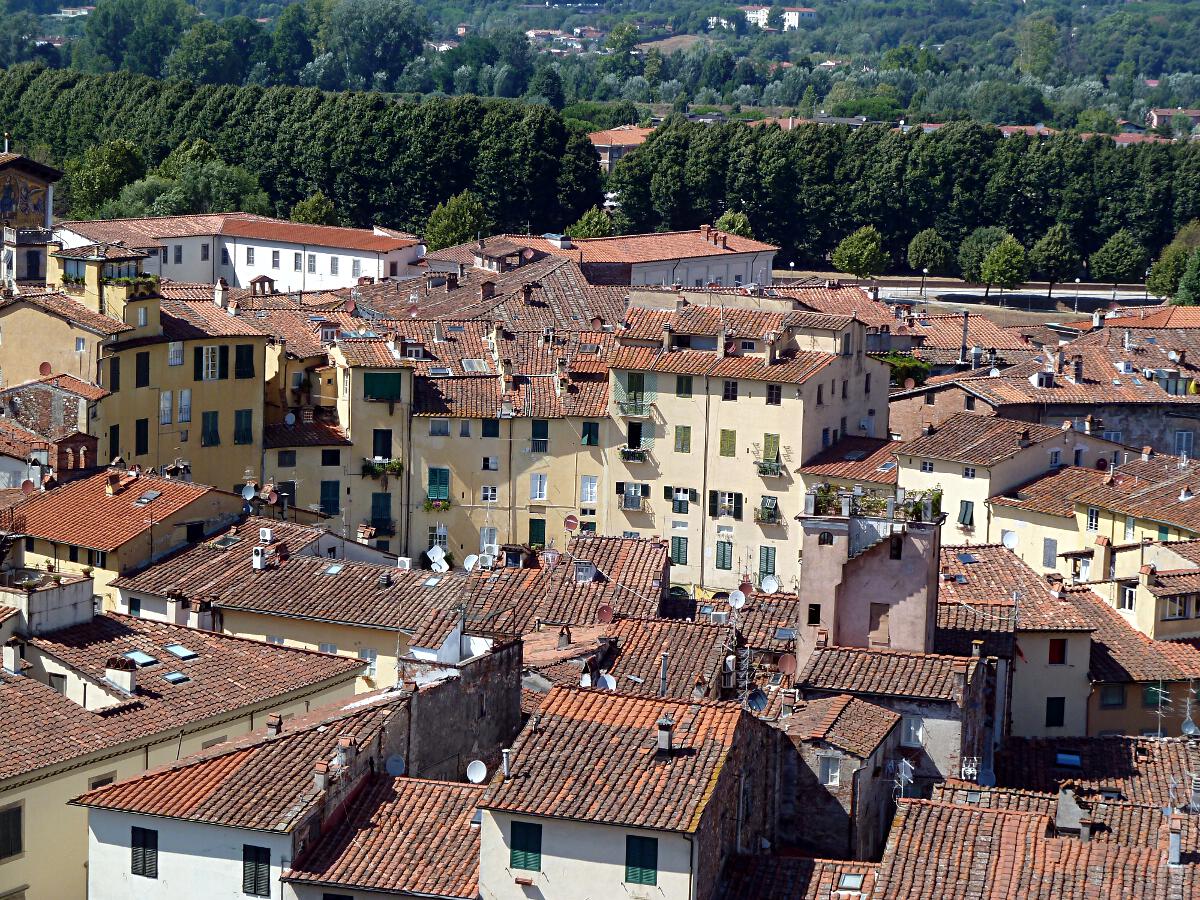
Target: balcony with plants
{"type": "Point", "coordinates": [767, 515]}
{"type": "Point", "coordinates": [377, 468]}
{"type": "Point", "coordinates": [635, 408]}
{"type": "Point", "coordinates": [769, 468]}
{"type": "Point", "coordinates": [635, 454]}
{"type": "Point", "coordinates": [436, 504]}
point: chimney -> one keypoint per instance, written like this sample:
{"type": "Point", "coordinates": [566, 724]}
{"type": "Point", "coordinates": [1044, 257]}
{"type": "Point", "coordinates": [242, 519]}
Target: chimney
{"type": "Point", "coordinates": [1023, 437]}
{"type": "Point", "coordinates": [12, 656]}
{"type": "Point", "coordinates": [307, 414]}
{"type": "Point", "coordinates": [122, 673]}
{"type": "Point", "coordinates": [347, 750]}
{"type": "Point", "coordinates": [1174, 838]}
{"type": "Point", "coordinates": [497, 336]}
{"type": "Point", "coordinates": [665, 726]}
{"type": "Point", "coordinates": [1077, 367]}
{"type": "Point", "coordinates": [526, 293]}
{"type": "Point", "coordinates": [221, 293]}
{"type": "Point", "coordinates": [721, 342]}
{"type": "Point", "coordinates": [451, 281]}
{"type": "Point", "coordinates": [1097, 319]}
{"type": "Point", "coordinates": [666, 337]}
{"type": "Point", "coordinates": [110, 483]}
{"type": "Point", "coordinates": [274, 725]}
{"type": "Point", "coordinates": [927, 429]}
{"type": "Point", "coordinates": [564, 637]}
{"type": "Point", "coordinates": [662, 673]}
{"type": "Point", "coordinates": [724, 242]}
{"type": "Point", "coordinates": [1147, 452]}
{"type": "Point", "coordinates": [487, 290]}
{"type": "Point", "coordinates": [976, 649]}
{"type": "Point", "coordinates": [321, 775]}
{"type": "Point", "coordinates": [1127, 340]}
{"type": "Point", "coordinates": [439, 331]}
{"type": "Point", "coordinates": [506, 753]}
{"type": "Point", "coordinates": [704, 230]}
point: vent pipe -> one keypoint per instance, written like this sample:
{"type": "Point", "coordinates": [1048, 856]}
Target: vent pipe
{"type": "Point", "coordinates": [662, 674]}
{"type": "Point", "coordinates": [507, 764]}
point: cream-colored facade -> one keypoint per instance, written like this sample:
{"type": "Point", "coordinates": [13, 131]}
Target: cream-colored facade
{"type": "Point", "coordinates": [61, 345]}
{"type": "Point", "coordinates": [1051, 664]}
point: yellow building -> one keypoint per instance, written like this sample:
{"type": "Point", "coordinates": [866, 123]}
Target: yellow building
{"type": "Point", "coordinates": [69, 336]}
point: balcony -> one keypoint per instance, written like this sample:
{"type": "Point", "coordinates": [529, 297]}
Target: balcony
{"type": "Point", "coordinates": [635, 454]}
{"type": "Point", "coordinates": [764, 516]}
{"type": "Point", "coordinates": [769, 468]}
{"type": "Point", "coordinates": [539, 445]}
{"type": "Point", "coordinates": [27, 237]}
{"type": "Point", "coordinates": [383, 526]}
{"type": "Point", "coordinates": [378, 467]}
{"type": "Point", "coordinates": [631, 503]}
{"type": "Point", "coordinates": [635, 409]}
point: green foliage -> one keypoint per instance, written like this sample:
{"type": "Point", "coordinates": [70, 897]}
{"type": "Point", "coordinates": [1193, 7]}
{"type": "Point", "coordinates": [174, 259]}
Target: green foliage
{"type": "Point", "coordinates": [1168, 269]}
{"type": "Point", "coordinates": [132, 35]}
{"type": "Point", "coordinates": [316, 209]}
{"type": "Point", "coordinates": [1188, 293]}
{"type": "Point", "coordinates": [192, 182]}
{"type": "Point", "coordinates": [1037, 46]}
{"type": "Point", "coordinates": [1055, 256]}
{"type": "Point", "coordinates": [547, 83]}
{"type": "Point", "coordinates": [460, 219]}
{"type": "Point", "coordinates": [205, 55]}
{"type": "Point", "coordinates": [734, 221]}
{"type": "Point", "coordinates": [1121, 258]}
{"type": "Point", "coordinates": [593, 223]}
{"type": "Point", "coordinates": [975, 249]}
{"type": "Point", "coordinates": [371, 41]}
{"type": "Point", "coordinates": [905, 367]}
{"type": "Point", "coordinates": [929, 250]}
{"type": "Point", "coordinates": [861, 253]}
{"type": "Point", "coordinates": [1006, 264]}
{"type": "Point", "coordinates": [100, 174]}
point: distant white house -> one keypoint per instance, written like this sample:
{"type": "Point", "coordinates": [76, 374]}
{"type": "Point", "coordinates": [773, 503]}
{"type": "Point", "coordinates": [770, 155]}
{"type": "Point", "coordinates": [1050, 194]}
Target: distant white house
{"type": "Point", "coordinates": [792, 16]}
{"type": "Point", "coordinates": [240, 247]}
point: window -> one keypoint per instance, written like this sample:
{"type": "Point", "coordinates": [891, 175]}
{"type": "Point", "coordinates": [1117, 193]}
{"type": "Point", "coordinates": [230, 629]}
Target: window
{"type": "Point", "coordinates": [1078, 457]}
{"type": "Point", "coordinates": [927, 465]}
{"type": "Point", "coordinates": [537, 487]}
{"type": "Point", "coordinates": [728, 442]}
{"type": "Point", "coordinates": [249, 256]}
{"type": "Point", "coordinates": [1164, 533]}
{"type": "Point", "coordinates": [539, 435]}
{"type": "Point", "coordinates": [464, 428]}
{"type": "Point", "coordinates": [1093, 519]}
{"type": "Point", "coordinates": [143, 843]}
{"type": "Point", "coordinates": [488, 493]}
{"type": "Point", "coordinates": [491, 464]}
{"type": "Point", "coordinates": [438, 536]}
{"type": "Point", "coordinates": [766, 561]}
{"type": "Point", "coordinates": [830, 771]}
{"type": "Point", "coordinates": [1056, 712]}
{"type": "Point", "coordinates": [1112, 696]}
{"type": "Point", "coordinates": [114, 441]}
{"type": "Point", "coordinates": [80, 345]}
{"type": "Point", "coordinates": [371, 658]}
{"type": "Point", "coordinates": [896, 547]}
{"type": "Point", "coordinates": [537, 532]}
{"type": "Point", "coordinates": [438, 483]}
{"type": "Point", "coordinates": [141, 437]}
{"type": "Point", "coordinates": [331, 457]}
{"type": "Point", "coordinates": [143, 316]}
{"type": "Point", "coordinates": [867, 383]}
{"type": "Point", "coordinates": [333, 265]}
{"type": "Point", "coordinates": [525, 846]}
{"type": "Point", "coordinates": [968, 471]}
{"type": "Point", "coordinates": [826, 438]}
{"type": "Point", "coordinates": [1055, 459]}
{"type": "Point", "coordinates": [929, 398]}
{"type": "Point", "coordinates": [1114, 436]}
{"type": "Point", "coordinates": [641, 860]}
{"type": "Point", "coordinates": [488, 535]}
{"type": "Point", "coordinates": [491, 428]}
{"type": "Point", "coordinates": [381, 443]}
{"type": "Point", "coordinates": [210, 430]}
{"type": "Point", "coordinates": [590, 434]}
{"type": "Point", "coordinates": [725, 555]}
{"type": "Point", "coordinates": [381, 386]}
{"type": "Point", "coordinates": [439, 428]}
{"type": "Point", "coordinates": [730, 391]}
{"type": "Point", "coordinates": [212, 363]}
{"type": "Point", "coordinates": [969, 403]}
{"type": "Point", "coordinates": [327, 648]}
{"type": "Point", "coordinates": [274, 259]}
{"type": "Point", "coordinates": [966, 513]}
{"type": "Point", "coordinates": [774, 394]}
{"type": "Point", "coordinates": [98, 559]}
{"type": "Point", "coordinates": [679, 551]}
{"type": "Point", "coordinates": [224, 256]}
{"type": "Point", "coordinates": [256, 870]}
{"type": "Point", "coordinates": [331, 497]}
{"type": "Point", "coordinates": [243, 426]}
{"type": "Point", "coordinates": [312, 263]}
{"type": "Point", "coordinates": [204, 253]}
{"type": "Point", "coordinates": [166, 407]}
{"type": "Point", "coordinates": [175, 353]}
{"type": "Point", "coordinates": [114, 374]}
{"type": "Point", "coordinates": [1183, 443]}
{"type": "Point", "coordinates": [1049, 553]}
{"type": "Point", "coordinates": [683, 438]}
{"type": "Point", "coordinates": [912, 731]}
{"type": "Point", "coordinates": [1058, 652]}
{"type": "Point", "coordinates": [814, 614]}
{"type": "Point", "coordinates": [355, 267]}
{"type": "Point", "coordinates": [820, 394]}
{"type": "Point", "coordinates": [101, 781]}
{"type": "Point", "coordinates": [679, 497]}
{"type": "Point", "coordinates": [243, 361]}
{"type": "Point", "coordinates": [11, 831]}
{"type": "Point", "coordinates": [825, 539]}
{"type": "Point", "coordinates": [297, 261]}
{"type": "Point", "coordinates": [1129, 527]}
{"type": "Point", "coordinates": [178, 254]}
{"type": "Point", "coordinates": [1127, 596]}
{"type": "Point", "coordinates": [1175, 607]}
{"type": "Point", "coordinates": [683, 385]}
{"type": "Point", "coordinates": [844, 394]}
{"type": "Point", "coordinates": [771, 448]}
{"type": "Point", "coordinates": [588, 488]}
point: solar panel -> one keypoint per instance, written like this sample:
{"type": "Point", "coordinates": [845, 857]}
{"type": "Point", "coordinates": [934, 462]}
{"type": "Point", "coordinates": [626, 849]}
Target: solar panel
{"type": "Point", "coordinates": [785, 634]}
{"type": "Point", "coordinates": [967, 558]}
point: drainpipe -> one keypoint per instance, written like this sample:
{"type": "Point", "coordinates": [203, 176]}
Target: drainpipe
{"type": "Point", "coordinates": [704, 477]}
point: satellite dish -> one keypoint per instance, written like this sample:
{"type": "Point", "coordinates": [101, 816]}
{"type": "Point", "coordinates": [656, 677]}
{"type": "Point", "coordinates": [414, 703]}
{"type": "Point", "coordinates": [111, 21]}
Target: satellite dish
{"type": "Point", "coordinates": [1189, 728]}
{"type": "Point", "coordinates": [289, 419]}
{"type": "Point", "coordinates": [395, 765]}
{"type": "Point", "coordinates": [737, 599]}
{"type": "Point", "coordinates": [45, 368]}
{"type": "Point", "coordinates": [604, 614]}
{"type": "Point", "coordinates": [1010, 540]}
{"type": "Point", "coordinates": [440, 566]}
{"type": "Point", "coordinates": [757, 700]}
{"type": "Point", "coordinates": [910, 383]}
{"type": "Point", "coordinates": [993, 372]}
{"type": "Point", "coordinates": [470, 562]}
{"type": "Point", "coordinates": [435, 553]}
{"type": "Point", "coordinates": [273, 497]}
{"type": "Point", "coordinates": [606, 682]}
{"type": "Point", "coordinates": [787, 664]}
{"type": "Point", "coordinates": [746, 587]}
{"type": "Point", "coordinates": [585, 680]}
{"type": "Point", "coordinates": [28, 487]}
{"type": "Point", "coordinates": [476, 772]}
{"type": "Point", "coordinates": [770, 584]}
{"type": "Point", "coordinates": [248, 492]}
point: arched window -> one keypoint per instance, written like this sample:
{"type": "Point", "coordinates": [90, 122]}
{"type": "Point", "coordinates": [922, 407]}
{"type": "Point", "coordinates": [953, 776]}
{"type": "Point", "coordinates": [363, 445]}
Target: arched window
{"type": "Point", "coordinates": [825, 538]}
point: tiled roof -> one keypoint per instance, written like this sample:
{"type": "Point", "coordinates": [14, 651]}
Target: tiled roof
{"type": "Point", "coordinates": [59, 304]}
{"type": "Point", "coordinates": [981, 440]}
{"type": "Point", "coordinates": [400, 835]}
{"type": "Point", "coordinates": [695, 653]}
{"type": "Point", "coordinates": [82, 513]}
{"type": "Point", "coordinates": [621, 136]}
{"type": "Point", "coordinates": [1158, 317]}
{"type": "Point", "coordinates": [1139, 770]}
{"type": "Point", "coordinates": [197, 290]}
{"type": "Point", "coordinates": [898, 673]}
{"type": "Point", "coordinates": [304, 434]}
{"type": "Point", "coordinates": [300, 327]}
{"type": "Point", "coordinates": [585, 394]}
{"type": "Point", "coordinates": [592, 758]}
{"type": "Point", "coordinates": [792, 368]}
{"type": "Point", "coordinates": [71, 385]}
{"type": "Point", "coordinates": [228, 674]}
{"type": "Point", "coordinates": [260, 781]}
{"type": "Point", "coordinates": [795, 878]}
{"type": "Point", "coordinates": [145, 232]}
{"type": "Point", "coordinates": [848, 300]}
{"type": "Point", "coordinates": [643, 324]}
{"type": "Point", "coordinates": [24, 162]}
{"type": "Point", "coordinates": [844, 721]}
{"type": "Point", "coordinates": [1150, 489]}
{"type": "Point", "coordinates": [1052, 493]}
{"type": "Point", "coordinates": [373, 353]}
{"type": "Point", "coordinates": [944, 332]}
{"type": "Point", "coordinates": [760, 619]}
{"type": "Point", "coordinates": [108, 252]}
{"type": "Point", "coordinates": [864, 459]}
{"type": "Point", "coordinates": [184, 320]}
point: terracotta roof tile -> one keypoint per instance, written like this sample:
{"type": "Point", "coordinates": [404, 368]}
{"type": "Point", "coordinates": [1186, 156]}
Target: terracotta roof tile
{"type": "Point", "coordinates": [621, 136]}
{"type": "Point", "coordinates": [844, 721]}
{"type": "Point", "coordinates": [793, 368]}
{"type": "Point", "coordinates": [59, 304]}
{"type": "Point", "coordinates": [795, 878]}
{"type": "Point", "coordinates": [865, 459]}
{"type": "Point", "coordinates": [1151, 489]}
{"type": "Point", "coordinates": [304, 434]}
{"type": "Point", "coordinates": [982, 440]}
{"type": "Point", "coordinates": [71, 385]}
{"type": "Point", "coordinates": [108, 252]}
{"type": "Point", "coordinates": [1052, 493]}
{"type": "Point", "coordinates": [897, 673]}
{"type": "Point", "coordinates": [636, 248]}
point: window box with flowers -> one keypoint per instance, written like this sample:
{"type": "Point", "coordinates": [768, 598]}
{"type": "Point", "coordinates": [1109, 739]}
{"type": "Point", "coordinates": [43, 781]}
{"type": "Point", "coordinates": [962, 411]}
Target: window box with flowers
{"type": "Point", "coordinates": [432, 505]}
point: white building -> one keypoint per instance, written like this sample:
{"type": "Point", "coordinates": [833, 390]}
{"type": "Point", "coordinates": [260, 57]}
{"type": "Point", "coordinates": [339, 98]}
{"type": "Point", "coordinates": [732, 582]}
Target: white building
{"type": "Point", "coordinates": [792, 16]}
{"type": "Point", "coordinates": [240, 247]}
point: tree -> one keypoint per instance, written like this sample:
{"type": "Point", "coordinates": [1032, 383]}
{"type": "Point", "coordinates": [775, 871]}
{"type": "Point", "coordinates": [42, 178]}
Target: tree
{"type": "Point", "coordinates": [134, 35]}
{"type": "Point", "coordinates": [928, 250]}
{"type": "Point", "coordinates": [775, 17]}
{"type": "Point", "coordinates": [1121, 258]}
{"type": "Point", "coordinates": [1168, 269]}
{"type": "Point", "coordinates": [547, 83]}
{"type": "Point", "coordinates": [1188, 293]}
{"type": "Point", "coordinates": [1006, 265]}
{"type": "Point", "coordinates": [1037, 45]}
{"type": "Point", "coordinates": [292, 43]}
{"type": "Point", "coordinates": [373, 39]}
{"type": "Point", "coordinates": [1055, 256]}
{"type": "Point", "coordinates": [101, 173]}
{"type": "Point", "coordinates": [974, 251]}
{"type": "Point", "coordinates": [204, 56]}
{"type": "Point", "coordinates": [592, 224]}
{"type": "Point", "coordinates": [734, 221]}
{"type": "Point", "coordinates": [315, 209]}
{"type": "Point", "coordinates": [861, 253]}
{"type": "Point", "coordinates": [460, 219]}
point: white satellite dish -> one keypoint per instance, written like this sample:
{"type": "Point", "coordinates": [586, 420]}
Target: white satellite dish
{"type": "Point", "coordinates": [440, 566]}
{"type": "Point", "coordinates": [395, 765]}
{"type": "Point", "coordinates": [606, 682]}
{"type": "Point", "coordinates": [289, 419]}
{"type": "Point", "coordinates": [436, 553]}
{"type": "Point", "coordinates": [770, 584]}
{"type": "Point", "coordinates": [476, 772]}
{"type": "Point", "coordinates": [737, 599]}
{"type": "Point", "coordinates": [249, 492]}
{"type": "Point", "coordinates": [1010, 540]}
{"type": "Point", "coordinates": [470, 562]}
{"type": "Point", "coordinates": [585, 680]}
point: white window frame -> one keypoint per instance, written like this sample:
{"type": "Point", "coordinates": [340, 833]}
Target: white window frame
{"type": "Point", "coordinates": [327, 648]}
{"type": "Point", "coordinates": [210, 368]}
{"type": "Point", "coordinates": [355, 267]}
{"type": "Point", "coordinates": [249, 256]}
{"type": "Point", "coordinates": [491, 464]}
{"type": "Point", "coordinates": [1130, 527]}
{"type": "Point", "coordinates": [1127, 597]}
{"type": "Point", "coordinates": [1093, 519]}
{"type": "Point", "coordinates": [489, 493]}
{"type": "Point", "coordinates": [175, 353]}
{"type": "Point", "coordinates": [927, 465]}
{"type": "Point", "coordinates": [143, 316]}
{"type": "Point", "coordinates": [830, 770]}
{"type": "Point", "coordinates": [488, 534]}
{"type": "Point", "coordinates": [312, 264]}
{"type": "Point", "coordinates": [165, 407]}
{"type": "Point", "coordinates": [274, 259]}
{"type": "Point", "coordinates": [968, 471]}
{"type": "Point", "coordinates": [1183, 442]}
{"type": "Point", "coordinates": [589, 487]}
{"type": "Point", "coordinates": [185, 405]}
{"type": "Point", "coordinates": [1055, 459]}
{"type": "Point", "coordinates": [538, 486]}
{"type": "Point", "coordinates": [439, 534]}
{"type": "Point", "coordinates": [912, 731]}
{"type": "Point", "coordinates": [80, 345]}
{"type": "Point", "coordinates": [333, 265]}
{"type": "Point", "coordinates": [370, 656]}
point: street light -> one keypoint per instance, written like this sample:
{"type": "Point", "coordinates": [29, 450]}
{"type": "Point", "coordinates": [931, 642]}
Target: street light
{"type": "Point", "coordinates": [924, 272]}
{"type": "Point", "coordinates": [1076, 295]}
{"type": "Point", "coordinates": [1146, 287]}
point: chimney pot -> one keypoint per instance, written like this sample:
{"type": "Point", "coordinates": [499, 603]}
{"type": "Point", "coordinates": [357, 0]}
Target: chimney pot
{"type": "Point", "coordinates": [976, 649]}
{"type": "Point", "coordinates": [666, 726]}
{"type": "Point", "coordinates": [487, 290]}
{"type": "Point", "coordinates": [121, 672]}
{"type": "Point", "coordinates": [274, 724]}
{"type": "Point", "coordinates": [506, 753]}
{"type": "Point", "coordinates": [12, 656]}
{"type": "Point", "coordinates": [321, 775]}
{"type": "Point", "coordinates": [662, 675]}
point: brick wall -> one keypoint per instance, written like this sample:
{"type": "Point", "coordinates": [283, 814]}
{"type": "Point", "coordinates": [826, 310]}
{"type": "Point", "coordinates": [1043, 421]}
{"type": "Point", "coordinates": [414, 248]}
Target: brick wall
{"type": "Point", "coordinates": [906, 416]}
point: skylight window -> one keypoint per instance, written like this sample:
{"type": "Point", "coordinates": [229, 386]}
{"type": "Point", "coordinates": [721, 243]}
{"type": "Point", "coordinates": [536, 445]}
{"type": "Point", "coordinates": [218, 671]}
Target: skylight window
{"type": "Point", "coordinates": [431, 582]}
{"type": "Point", "coordinates": [474, 365]}
{"type": "Point", "coordinates": [887, 467]}
{"type": "Point", "coordinates": [176, 677]}
{"type": "Point", "coordinates": [455, 328]}
{"type": "Point", "coordinates": [140, 659]}
{"type": "Point", "coordinates": [440, 372]}
{"type": "Point", "coordinates": [850, 881]}
{"type": "Point", "coordinates": [333, 568]}
{"type": "Point", "coordinates": [589, 348]}
{"type": "Point", "coordinates": [226, 541]}
{"type": "Point", "coordinates": [1068, 760]}
{"type": "Point", "coordinates": [854, 455]}
{"type": "Point", "coordinates": [147, 498]}
{"type": "Point", "coordinates": [785, 634]}
{"type": "Point", "coordinates": [967, 558]}
{"type": "Point", "coordinates": [636, 679]}
{"type": "Point", "coordinates": [181, 651]}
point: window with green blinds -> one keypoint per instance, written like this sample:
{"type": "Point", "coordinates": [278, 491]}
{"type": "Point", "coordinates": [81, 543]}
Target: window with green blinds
{"type": "Point", "coordinates": [256, 870]}
{"type": "Point", "coordinates": [381, 386]}
{"type": "Point", "coordinates": [525, 846]}
{"type": "Point", "coordinates": [728, 442]}
{"type": "Point", "coordinates": [641, 860]}
{"type": "Point", "coordinates": [771, 447]}
{"type": "Point", "coordinates": [144, 850]}
{"type": "Point", "coordinates": [679, 551]}
{"type": "Point", "coordinates": [439, 483]}
{"type": "Point", "coordinates": [766, 561]}
{"type": "Point", "coordinates": [724, 555]}
{"type": "Point", "coordinates": [683, 385]}
{"type": "Point", "coordinates": [683, 438]}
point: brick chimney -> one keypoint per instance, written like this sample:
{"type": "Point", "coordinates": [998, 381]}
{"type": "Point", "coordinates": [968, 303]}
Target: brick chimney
{"type": "Point", "coordinates": [321, 775]}
{"type": "Point", "coordinates": [451, 281]}
{"type": "Point", "coordinates": [274, 724]}
{"type": "Point", "coordinates": [487, 290]}
{"type": "Point", "coordinates": [526, 293]}
{"type": "Point", "coordinates": [221, 293]}
{"type": "Point", "coordinates": [666, 337]}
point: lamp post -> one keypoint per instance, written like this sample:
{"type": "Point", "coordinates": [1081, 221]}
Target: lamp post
{"type": "Point", "coordinates": [924, 272]}
{"type": "Point", "coordinates": [1076, 295]}
{"type": "Point", "coordinates": [792, 269]}
{"type": "Point", "coordinates": [1146, 286]}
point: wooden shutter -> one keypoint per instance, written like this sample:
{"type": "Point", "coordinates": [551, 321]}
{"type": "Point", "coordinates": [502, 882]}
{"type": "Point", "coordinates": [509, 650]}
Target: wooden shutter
{"type": "Point", "coordinates": [256, 870]}
{"type": "Point", "coordinates": [713, 501]}
{"type": "Point", "coordinates": [223, 361]}
{"type": "Point", "coordinates": [641, 860]}
{"type": "Point", "coordinates": [771, 447]}
{"type": "Point", "coordinates": [646, 489]}
{"type": "Point", "coordinates": [766, 560]}
{"type": "Point", "coordinates": [620, 489]}
{"type": "Point", "coordinates": [525, 846]}
{"type": "Point", "coordinates": [728, 442]}
{"type": "Point", "coordinates": [693, 495]}
{"type": "Point", "coordinates": [198, 364]}
{"type": "Point", "coordinates": [737, 506]}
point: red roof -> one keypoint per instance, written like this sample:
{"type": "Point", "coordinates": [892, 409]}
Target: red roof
{"type": "Point", "coordinates": [59, 304]}
{"type": "Point", "coordinates": [844, 721]}
{"type": "Point", "coordinates": [864, 459]}
{"type": "Point", "coordinates": [895, 673]}
{"type": "Point", "coordinates": [621, 136]}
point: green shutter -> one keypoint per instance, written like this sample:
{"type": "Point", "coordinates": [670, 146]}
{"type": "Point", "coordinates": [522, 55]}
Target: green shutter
{"type": "Point", "coordinates": [679, 551]}
{"type": "Point", "coordinates": [256, 870]}
{"type": "Point", "coordinates": [713, 501]}
{"type": "Point", "coordinates": [223, 362]}
{"type": "Point", "coordinates": [683, 385]}
{"type": "Point", "coordinates": [331, 497]}
{"type": "Point", "coordinates": [641, 860]}
{"type": "Point", "coordinates": [243, 361]}
{"type": "Point", "coordinates": [728, 442]}
{"type": "Point", "coordinates": [525, 846]}
{"type": "Point", "coordinates": [737, 506]}
{"type": "Point", "coordinates": [439, 484]}
{"type": "Point", "coordinates": [724, 555]}
{"type": "Point", "coordinates": [771, 447]}
{"type": "Point", "coordinates": [766, 560]}
{"type": "Point", "coordinates": [381, 386]}
{"type": "Point", "coordinates": [537, 532]}
{"type": "Point", "coordinates": [683, 438]}
{"type": "Point", "coordinates": [636, 385]}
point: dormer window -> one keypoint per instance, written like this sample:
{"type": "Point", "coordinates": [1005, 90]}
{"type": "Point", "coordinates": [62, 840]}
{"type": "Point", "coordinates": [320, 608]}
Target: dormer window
{"type": "Point", "coordinates": [328, 334]}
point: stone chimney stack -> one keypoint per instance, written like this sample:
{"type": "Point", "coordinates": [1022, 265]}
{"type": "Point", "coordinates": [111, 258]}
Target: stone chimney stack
{"type": "Point", "coordinates": [122, 673]}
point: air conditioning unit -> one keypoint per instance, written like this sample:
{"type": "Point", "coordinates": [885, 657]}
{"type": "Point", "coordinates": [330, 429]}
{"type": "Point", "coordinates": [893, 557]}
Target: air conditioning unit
{"type": "Point", "coordinates": [266, 536]}
{"type": "Point", "coordinates": [486, 561]}
{"type": "Point", "coordinates": [720, 618]}
{"type": "Point", "coordinates": [491, 549]}
{"type": "Point", "coordinates": [258, 557]}
{"type": "Point", "coordinates": [404, 563]}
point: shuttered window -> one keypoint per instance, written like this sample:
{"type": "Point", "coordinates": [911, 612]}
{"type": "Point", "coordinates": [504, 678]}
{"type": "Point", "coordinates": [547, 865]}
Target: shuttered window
{"type": "Point", "coordinates": [771, 447]}
{"type": "Point", "coordinates": [11, 843]}
{"type": "Point", "coordinates": [141, 369]}
{"type": "Point", "coordinates": [439, 483]}
{"type": "Point", "coordinates": [525, 846]}
{"type": "Point", "coordinates": [678, 552]}
{"type": "Point", "coordinates": [725, 555]}
{"type": "Point", "coordinates": [144, 849]}
{"type": "Point", "coordinates": [683, 438]}
{"type": "Point", "coordinates": [641, 860]}
{"type": "Point", "coordinates": [256, 870]}
{"type": "Point", "coordinates": [381, 386]}
{"type": "Point", "coordinates": [243, 361]}
{"type": "Point", "coordinates": [728, 442]}
{"type": "Point", "coordinates": [537, 532]}
{"type": "Point", "coordinates": [331, 497]}
{"type": "Point", "coordinates": [766, 561]}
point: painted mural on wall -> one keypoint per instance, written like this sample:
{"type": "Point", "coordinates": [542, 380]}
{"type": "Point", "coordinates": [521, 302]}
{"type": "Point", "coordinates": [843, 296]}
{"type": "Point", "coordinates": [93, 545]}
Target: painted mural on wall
{"type": "Point", "coordinates": [22, 201]}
